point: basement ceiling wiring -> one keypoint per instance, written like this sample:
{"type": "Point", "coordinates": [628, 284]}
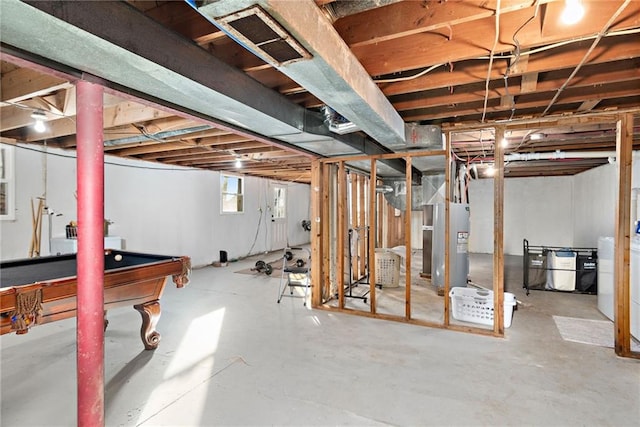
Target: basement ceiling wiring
{"type": "Point", "coordinates": [495, 43]}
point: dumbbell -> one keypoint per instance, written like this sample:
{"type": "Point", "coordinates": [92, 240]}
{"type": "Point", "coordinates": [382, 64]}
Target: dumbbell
{"type": "Point", "coordinates": [263, 267]}
{"type": "Point", "coordinates": [288, 255]}
{"type": "Point", "coordinates": [300, 262]}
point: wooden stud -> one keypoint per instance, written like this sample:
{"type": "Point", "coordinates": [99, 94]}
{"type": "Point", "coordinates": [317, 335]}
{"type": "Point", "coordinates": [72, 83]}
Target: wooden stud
{"type": "Point", "coordinates": [373, 226]}
{"type": "Point", "coordinates": [498, 234]}
{"type": "Point", "coordinates": [447, 229]}
{"type": "Point", "coordinates": [316, 233]}
{"type": "Point", "coordinates": [407, 239]}
{"type": "Point", "coordinates": [325, 219]}
{"type": "Point", "coordinates": [622, 255]}
{"type": "Point", "coordinates": [529, 82]}
{"type": "Point", "coordinates": [342, 226]}
{"type": "Point", "coordinates": [363, 243]}
{"type": "Point", "coordinates": [353, 222]}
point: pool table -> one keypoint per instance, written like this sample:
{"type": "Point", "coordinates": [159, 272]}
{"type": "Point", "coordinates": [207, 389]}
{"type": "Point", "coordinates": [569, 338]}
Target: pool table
{"type": "Point", "coordinates": [41, 290]}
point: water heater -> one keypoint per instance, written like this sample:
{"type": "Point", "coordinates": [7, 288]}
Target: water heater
{"type": "Point", "coordinates": [458, 244]}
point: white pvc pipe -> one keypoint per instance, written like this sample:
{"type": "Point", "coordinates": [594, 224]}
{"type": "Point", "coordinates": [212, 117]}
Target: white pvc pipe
{"type": "Point", "coordinates": [555, 155]}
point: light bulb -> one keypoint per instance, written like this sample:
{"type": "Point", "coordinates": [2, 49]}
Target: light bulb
{"type": "Point", "coordinates": [490, 171]}
{"type": "Point", "coordinates": [238, 163]}
{"type": "Point", "coordinates": [39, 126]}
{"type": "Point", "coordinates": [573, 12]}
{"type": "Point", "coordinates": [505, 143]}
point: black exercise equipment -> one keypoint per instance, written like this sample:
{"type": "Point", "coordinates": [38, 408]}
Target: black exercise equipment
{"type": "Point", "coordinates": [263, 267]}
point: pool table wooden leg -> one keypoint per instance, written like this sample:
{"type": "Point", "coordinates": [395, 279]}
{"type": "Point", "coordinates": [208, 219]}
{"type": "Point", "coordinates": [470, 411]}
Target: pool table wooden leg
{"type": "Point", "coordinates": [150, 312]}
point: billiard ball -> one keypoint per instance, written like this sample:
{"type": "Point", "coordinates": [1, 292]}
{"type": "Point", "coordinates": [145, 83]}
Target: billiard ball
{"type": "Point", "coordinates": [118, 257]}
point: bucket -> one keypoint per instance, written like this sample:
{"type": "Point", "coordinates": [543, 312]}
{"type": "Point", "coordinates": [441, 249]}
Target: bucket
{"type": "Point", "coordinates": [223, 256]}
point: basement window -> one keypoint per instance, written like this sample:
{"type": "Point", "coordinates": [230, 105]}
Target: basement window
{"type": "Point", "coordinates": [231, 192]}
{"type": "Point", "coordinates": [7, 183]}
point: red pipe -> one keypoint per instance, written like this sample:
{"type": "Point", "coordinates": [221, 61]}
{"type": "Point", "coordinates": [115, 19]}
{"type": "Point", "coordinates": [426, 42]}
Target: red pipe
{"type": "Point", "coordinates": [90, 318]}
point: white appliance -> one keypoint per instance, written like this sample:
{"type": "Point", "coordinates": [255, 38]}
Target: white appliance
{"type": "Point", "coordinates": [458, 244]}
{"type": "Point", "coordinates": [605, 276]}
{"type": "Point", "coordinates": [605, 280]}
{"type": "Point", "coordinates": [635, 287]}
{"type": "Point", "coordinates": [61, 245]}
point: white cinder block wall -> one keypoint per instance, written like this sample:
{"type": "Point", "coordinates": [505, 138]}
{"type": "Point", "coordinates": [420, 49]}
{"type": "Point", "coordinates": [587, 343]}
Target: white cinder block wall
{"type": "Point", "coordinates": [155, 209]}
{"type": "Point", "coordinates": [555, 211]}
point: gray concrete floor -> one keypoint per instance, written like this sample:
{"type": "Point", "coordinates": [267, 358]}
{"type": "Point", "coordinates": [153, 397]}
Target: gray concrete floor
{"type": "Point", "coordinates": [230, 355]}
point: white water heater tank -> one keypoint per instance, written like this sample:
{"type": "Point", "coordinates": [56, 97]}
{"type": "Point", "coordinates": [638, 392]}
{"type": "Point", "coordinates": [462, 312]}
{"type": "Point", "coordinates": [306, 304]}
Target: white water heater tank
{"type": "Point", "coordinates": [458, 244]}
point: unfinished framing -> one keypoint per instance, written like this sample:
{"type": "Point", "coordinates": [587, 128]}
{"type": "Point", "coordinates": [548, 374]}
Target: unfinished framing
{"type": "Point", "coordinates": [345, 198]}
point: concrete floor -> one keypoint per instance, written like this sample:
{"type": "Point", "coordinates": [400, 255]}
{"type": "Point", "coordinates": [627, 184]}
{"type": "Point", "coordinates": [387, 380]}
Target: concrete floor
{"type": "Point", "coordinates": [230, 355]}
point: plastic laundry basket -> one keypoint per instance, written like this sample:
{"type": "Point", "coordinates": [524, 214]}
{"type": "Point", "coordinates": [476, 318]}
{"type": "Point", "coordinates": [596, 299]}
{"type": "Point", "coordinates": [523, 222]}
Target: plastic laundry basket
{"type": "Point", "coordinates": [387, 269]}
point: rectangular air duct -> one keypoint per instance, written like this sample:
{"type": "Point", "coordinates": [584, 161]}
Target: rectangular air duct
{"type": "Point", "coordinates": [255, 29]}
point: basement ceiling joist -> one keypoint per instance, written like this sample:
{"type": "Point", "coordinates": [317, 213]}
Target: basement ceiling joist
{"type": "Point", "coordinates": [434, 62]}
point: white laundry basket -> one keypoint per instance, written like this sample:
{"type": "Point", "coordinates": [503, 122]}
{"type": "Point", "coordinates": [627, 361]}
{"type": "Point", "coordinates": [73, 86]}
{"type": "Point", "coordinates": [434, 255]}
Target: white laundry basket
{"type": "Point", "coordinates": [476, 305]}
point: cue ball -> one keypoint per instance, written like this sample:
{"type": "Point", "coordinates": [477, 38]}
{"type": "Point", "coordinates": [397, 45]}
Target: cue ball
{"type": "Point", "coordinates": [118, 257]}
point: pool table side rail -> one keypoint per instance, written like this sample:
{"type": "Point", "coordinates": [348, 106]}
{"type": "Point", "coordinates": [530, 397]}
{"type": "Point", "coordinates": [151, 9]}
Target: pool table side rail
{"type": "Point", "coordinates": [125, 286]}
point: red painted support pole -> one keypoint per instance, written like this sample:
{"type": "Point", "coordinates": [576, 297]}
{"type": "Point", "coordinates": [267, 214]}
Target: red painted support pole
{"type": "Point", "coordinates": [90, 329]}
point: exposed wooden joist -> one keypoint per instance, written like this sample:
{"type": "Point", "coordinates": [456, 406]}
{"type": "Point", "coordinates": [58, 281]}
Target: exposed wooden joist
{"type": "Point", "coordinates": [475, 39]}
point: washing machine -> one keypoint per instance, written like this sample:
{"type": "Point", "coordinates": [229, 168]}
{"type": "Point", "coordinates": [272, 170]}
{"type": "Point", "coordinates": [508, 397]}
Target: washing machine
{"type": "Point", "coordinates": [605, 281]}
{"type": "Point", "coordinates": [635, 287]}
{"type": "Point", "coordinates": [606, 247]}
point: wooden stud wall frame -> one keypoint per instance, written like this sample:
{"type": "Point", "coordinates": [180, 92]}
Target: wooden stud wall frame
{"type": "Point", "coordinates": [369, 215]}
{"type": "Point", "coordinates": [622, 257]}
{"type": "Point", "coordinates": [322, 183]}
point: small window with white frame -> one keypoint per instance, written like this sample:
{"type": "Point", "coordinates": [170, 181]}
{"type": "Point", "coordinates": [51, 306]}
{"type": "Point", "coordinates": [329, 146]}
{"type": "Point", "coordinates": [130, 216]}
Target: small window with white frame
{"type": "Point", "coordinates": [7, 183]}
{"type": "Point", "coordinates": [231, 192]}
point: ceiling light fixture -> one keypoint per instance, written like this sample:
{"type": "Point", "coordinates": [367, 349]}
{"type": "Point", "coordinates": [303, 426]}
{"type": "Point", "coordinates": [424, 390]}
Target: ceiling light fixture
{"type": "Point", "coordinates": [505, 143]}
{"type": "Point", "coordinates": [573, 12]}
{"type": "Point", "coordinates": [490, 171]}
{"type": "Point", "coordinates": [39, 117]}
{"type": "Point", "coordinates": [238, 163]}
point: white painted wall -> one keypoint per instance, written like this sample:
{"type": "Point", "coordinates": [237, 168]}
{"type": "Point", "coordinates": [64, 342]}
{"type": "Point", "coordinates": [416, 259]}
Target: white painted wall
{"type": "Point", "coordinates": [595, 201]}
{"type": "Point", "coordinates": [555, 211]}
{"type": "Point", "coordinates": [537, 209]}
{"type": "Point", "coordinates": [156, 209]}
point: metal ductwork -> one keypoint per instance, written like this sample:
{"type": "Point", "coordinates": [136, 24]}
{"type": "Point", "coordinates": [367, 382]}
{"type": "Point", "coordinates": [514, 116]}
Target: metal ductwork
{"type": "Point", "coordinates": [130, 52]}
{"type": "Point", "coordinates": [330, 71]}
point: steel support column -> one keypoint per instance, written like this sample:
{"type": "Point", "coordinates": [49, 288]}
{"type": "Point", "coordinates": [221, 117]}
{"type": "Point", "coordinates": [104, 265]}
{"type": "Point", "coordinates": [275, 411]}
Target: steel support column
{"type": "Point", "coordinates": [90, 300]}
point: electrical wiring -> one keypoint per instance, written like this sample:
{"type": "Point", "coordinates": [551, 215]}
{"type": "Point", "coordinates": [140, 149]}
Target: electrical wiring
{"type": "Point", "coordinates": [495, 43]}
{"type": "Point", "coordinates": [517, 59]}
{"type": "Point", "coordinates": [586, 56]}
{"type": "Point", "coordinates": [415, 76]}
{"type": "Point", "coordinates": [515, 38]}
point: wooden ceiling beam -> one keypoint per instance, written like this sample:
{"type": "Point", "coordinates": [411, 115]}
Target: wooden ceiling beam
{"type": "Point", "coordinates": [525, 102]}
{"type": "Point", "coordinates": [610, 49]}
{"type": "Point", "coordinates": [146, 147]}
{"type": "Point", "coordinates": [225, 148]}
{"type": "Point", "coordinates": [24, 83]}
{"type": "Point", "coordinates": [476, 39]}
{"type": "Point", "coordinates": [415, 17]}
{"type": "Point", "coordinates": [592, 81]}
